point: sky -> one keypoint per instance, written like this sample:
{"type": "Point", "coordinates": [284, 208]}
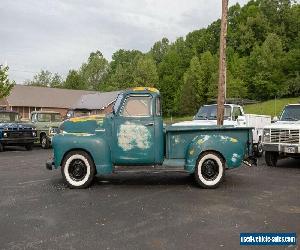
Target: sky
{"type": "Point", "coordinates": [58, 35]}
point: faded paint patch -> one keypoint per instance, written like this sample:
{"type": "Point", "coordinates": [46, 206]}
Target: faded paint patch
{"type": "Point", "coordinates": [77, 134]}
{"type": "Point", "coordinates": [176, 139]}
{"type": "Point", "coordinates": [204, 139]}
{"type": "Point", "coordinates": [133, 135]}
{"type": "Point", "coordinates": [227, 138]}
{"type": "Point", "coordinates": [235, 157]}
{"type": "Point", "coordinates": [233, 140]}
{"type": "Point", "coordinates": [192, 151]}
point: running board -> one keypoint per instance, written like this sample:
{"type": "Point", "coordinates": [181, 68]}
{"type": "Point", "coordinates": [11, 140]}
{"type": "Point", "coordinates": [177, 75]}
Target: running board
{"type": "Point", "coordinates": [148, 169]}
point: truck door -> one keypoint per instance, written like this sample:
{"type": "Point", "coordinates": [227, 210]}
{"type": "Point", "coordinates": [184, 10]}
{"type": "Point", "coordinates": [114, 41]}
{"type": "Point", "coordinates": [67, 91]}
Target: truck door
{"type": "Point", "coordinates": [134, 131]}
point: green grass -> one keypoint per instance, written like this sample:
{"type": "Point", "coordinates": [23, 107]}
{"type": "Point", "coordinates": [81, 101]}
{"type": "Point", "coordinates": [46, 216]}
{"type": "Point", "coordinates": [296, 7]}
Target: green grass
{"type": "Point", "coordinates": [270, 107]}
{"type": "Point", "coordinates": [170, 120]}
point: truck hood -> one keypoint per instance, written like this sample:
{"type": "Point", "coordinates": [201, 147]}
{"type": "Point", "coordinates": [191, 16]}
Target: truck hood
{"type": "Point", "coordinates": [203, 123]}
{"type": "Point", "coordinates": [285, 125]}
{"type": "Point", "coordinates": [83, 124]}
{"type": "Point", "coordinates": [16, 126]}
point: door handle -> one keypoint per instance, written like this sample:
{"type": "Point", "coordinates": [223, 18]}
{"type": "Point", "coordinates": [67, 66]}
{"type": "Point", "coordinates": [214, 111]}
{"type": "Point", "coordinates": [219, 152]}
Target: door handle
{"type": "Point", "coordinates": [149, 124]}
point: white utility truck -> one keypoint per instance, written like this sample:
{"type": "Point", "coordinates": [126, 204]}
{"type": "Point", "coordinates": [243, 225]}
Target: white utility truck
{"type": "Point", "coordinates": [282, 138]}
{"type": "Point", "coordinates": [234, 115]}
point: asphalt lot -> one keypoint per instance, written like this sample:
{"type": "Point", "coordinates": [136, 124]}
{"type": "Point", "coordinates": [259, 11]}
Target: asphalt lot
{"type": "Point", "coordinates": [138, 211]}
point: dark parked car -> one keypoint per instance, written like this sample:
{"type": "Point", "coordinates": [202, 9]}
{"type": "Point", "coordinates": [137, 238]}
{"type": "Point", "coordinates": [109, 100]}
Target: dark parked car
{"type": "Point", "coordinates": [15, 133]}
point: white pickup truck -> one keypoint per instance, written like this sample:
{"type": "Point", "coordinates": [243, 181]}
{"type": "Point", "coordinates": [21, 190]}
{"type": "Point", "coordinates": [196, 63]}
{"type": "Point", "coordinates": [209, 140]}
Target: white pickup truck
{"type": "Point", "coordinates": [282, 138]}
{"type": "Point", "coordinates": [234, 115]}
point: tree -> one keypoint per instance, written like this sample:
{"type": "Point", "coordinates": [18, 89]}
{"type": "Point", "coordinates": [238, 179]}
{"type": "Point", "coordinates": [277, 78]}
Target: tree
{"type": "Point", "coordinates": [74, 80]}
{"type": "Point", "coordinates": [265, 72]}
{"type": "Point", "coordinates": [122, 66]}
{"type": "Point", "coordinates": [45, 79]}
{"type": "Point", "coordinates": [145, 72]}
{"type": "Point", "coordinates": [5, 84]}
{"type": "Point", "coordinates": [192, 91]}
{"type": "Point", "coordinates": [159, 49]}
{"type": "Point", "coordinates": [94, 72]}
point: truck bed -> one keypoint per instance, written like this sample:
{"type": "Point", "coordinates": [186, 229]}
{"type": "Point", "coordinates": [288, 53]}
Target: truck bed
{"type": "Point", "coordinates": [178, 138]}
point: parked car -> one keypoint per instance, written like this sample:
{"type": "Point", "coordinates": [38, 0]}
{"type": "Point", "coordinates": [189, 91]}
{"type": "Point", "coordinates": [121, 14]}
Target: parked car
{"type": "Point", "coordinates": [234, 115]}
{"type": "Point", "coordinates": [132, 138]}
{"type": "Point", "coordinates": [282, 138]}
{"type": "Point", "coordinates": [47, 124]}
{"type": "Point", "coordinates": [13, 132]}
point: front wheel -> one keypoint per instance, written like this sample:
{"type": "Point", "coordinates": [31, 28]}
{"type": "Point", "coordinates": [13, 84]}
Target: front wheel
{"type": "Point", "coordinates": [45, 143]}
{"type": "Point", "coordinates": [210, 170]}
{"type": "Point", "coordinates": [78, 169]}
{"type": "Point", "coordinates": [259, 149]}
{"type": "Point", "coordinates": [271, 158]}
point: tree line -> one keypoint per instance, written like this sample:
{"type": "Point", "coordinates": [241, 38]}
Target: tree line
{"type": "Point", "coordinates": [263, 61]}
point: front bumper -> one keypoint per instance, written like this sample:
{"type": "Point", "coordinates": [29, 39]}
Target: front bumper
{"type": "Point", "coordinates": [17, 141]}
{"type": "Point", "coordinates": [282, 148]}
{"type": "Point", "coordinates": [50, 165]}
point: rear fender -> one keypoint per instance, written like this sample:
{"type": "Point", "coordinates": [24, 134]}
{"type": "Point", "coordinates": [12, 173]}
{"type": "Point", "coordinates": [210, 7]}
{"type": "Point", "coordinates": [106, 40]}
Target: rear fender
{"type": "Point", "coordinates": [229, 148]}
{"type": "Point", "coordinates": [97, 147]}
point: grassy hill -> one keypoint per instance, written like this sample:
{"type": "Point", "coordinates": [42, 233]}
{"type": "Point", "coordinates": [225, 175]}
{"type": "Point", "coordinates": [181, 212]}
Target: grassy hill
{"type": "Point", "coordinates": [270, 107]}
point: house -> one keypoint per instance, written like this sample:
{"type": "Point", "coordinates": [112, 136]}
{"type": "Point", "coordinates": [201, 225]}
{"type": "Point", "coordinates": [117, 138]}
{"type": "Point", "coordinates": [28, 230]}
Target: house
{"type": "Point", "coordinates": [96, 103]}
{"type": "Point", "coordinates": [25, 99]}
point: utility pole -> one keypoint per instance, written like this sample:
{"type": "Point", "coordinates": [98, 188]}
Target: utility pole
{"type": "Point", "coordinates": [222, 64]}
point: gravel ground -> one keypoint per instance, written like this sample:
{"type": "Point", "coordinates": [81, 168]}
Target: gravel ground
{"type": "Point", "coordinates": [142, 211]}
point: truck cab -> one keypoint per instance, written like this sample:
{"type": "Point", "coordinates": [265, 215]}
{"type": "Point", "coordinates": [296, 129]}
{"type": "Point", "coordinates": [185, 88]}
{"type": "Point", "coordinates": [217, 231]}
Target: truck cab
{"type": "Point", "coordinates": [133, 138]}
{"type": "Point", "coordinates": [282, 138]}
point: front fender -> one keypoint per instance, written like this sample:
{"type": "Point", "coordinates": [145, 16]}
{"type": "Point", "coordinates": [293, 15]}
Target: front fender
{"type": "Point", "coordinates": [230, 148]}
{"type": "Point", "coordinates": [97, 146]}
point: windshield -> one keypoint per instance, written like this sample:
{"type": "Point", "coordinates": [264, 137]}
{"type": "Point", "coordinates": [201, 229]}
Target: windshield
{"type": "Point", "coordinates": [9, 117]}
{"type": "Point", "coordinates": [118, 103]}
{"type": "Point", "coordinates": [56, 118]}
{"type": "Point", "coordinates": [291, 113]}
{"type": "Point", "coordinates": [209, 112]}
{"type": "Point", "coordinates": [47, 117]}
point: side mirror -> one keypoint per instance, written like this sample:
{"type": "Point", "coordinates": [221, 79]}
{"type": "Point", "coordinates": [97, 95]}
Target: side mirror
{"type": "Point", "coordinates": [275, 119]}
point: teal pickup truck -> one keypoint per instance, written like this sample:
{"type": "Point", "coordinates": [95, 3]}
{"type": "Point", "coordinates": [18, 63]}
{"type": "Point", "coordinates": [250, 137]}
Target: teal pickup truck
{"type": "Point", "coordinates": [133, 138]}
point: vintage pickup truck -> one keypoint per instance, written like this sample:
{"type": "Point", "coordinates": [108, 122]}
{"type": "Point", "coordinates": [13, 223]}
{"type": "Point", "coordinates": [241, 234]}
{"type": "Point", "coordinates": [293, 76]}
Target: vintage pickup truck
{"type": "Point", "coordinates": [282, 138]}
{"type": "Point", "coordinates": [15, 133]}
{"type": "Point", "coordinates": [46, 123]}
{"type": "Point", "coordinates": [133, 138]}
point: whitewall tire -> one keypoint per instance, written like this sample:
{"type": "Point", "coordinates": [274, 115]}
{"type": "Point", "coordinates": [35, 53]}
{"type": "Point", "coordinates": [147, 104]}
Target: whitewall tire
{"type": "Point", "coordinates": [78, 169]}
{"type": "Point", "coordinates": [210, 170]}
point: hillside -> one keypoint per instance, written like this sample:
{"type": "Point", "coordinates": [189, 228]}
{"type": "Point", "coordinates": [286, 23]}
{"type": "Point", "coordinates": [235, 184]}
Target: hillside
{"type": "Point", "coordinates": [270, 107]}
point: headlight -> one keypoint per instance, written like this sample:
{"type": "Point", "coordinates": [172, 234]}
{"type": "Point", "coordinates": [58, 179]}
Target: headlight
{"type": "Point", "coordinates": [4, 134]}
{"type": "Point", "coordinates": [34, 134]}
{"type": "Point", "coordinates": [267, 135]}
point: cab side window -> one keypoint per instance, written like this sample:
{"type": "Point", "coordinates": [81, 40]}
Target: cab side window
{"type": "Point", "coordinates": [137, 106]}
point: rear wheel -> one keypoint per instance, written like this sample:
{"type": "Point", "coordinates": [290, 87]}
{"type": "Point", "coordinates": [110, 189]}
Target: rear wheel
{"type": "Point", "coordinates": [210, 170]}
{"type": "Point", "coordinates": [78, 169]}
{"type": "Point", "coordinates": [45, 143]}
{"type": "Point", "coordinates": [271, 158]}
